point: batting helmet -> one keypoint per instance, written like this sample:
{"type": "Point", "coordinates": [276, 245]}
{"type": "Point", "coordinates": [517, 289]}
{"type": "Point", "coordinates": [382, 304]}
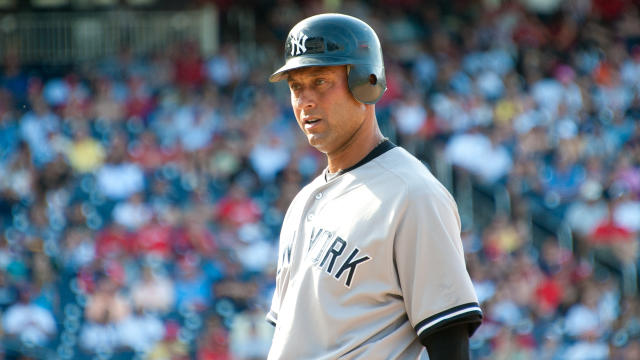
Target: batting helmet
{"type": "Point", "coordinates": [336, 39]}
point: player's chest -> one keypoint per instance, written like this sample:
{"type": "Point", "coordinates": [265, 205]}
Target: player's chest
{"type": "Point", "coordinates": [340, 235]}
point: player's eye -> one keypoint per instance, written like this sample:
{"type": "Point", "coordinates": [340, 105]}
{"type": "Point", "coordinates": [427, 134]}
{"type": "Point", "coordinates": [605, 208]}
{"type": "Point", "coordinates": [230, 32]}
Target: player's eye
{"type": "Point", "coordinates": [320, 81]}
{"type": "Point", "coordinates": [294, 86]}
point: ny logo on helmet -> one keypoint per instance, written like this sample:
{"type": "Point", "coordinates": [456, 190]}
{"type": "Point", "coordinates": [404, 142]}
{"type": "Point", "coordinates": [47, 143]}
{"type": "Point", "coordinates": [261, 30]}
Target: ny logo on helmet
{"type": "Point", "coordinates": [298, 44]}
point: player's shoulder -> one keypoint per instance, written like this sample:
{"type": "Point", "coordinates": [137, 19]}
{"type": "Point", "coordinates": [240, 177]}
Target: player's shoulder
{"type": "Point", "coordinates": [404, 176]}
{"type": "Point", "coordinates": [402, 169]}
{"type": "Point", "coordinates": [304, 193]}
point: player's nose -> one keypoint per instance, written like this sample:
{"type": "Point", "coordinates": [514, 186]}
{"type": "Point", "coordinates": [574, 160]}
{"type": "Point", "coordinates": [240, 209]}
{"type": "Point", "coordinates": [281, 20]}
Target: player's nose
{"type": "Point", "coordinates": [305, 99]}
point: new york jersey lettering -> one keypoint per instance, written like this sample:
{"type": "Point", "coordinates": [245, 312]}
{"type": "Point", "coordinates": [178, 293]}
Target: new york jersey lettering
{"type": "Point", "coordinates": [351, 265]}
{"type": "Point", "coordinates": [333, 252]}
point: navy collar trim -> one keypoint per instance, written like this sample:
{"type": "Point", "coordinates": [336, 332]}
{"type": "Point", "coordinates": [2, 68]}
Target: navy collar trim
{"type": "Point", "coordinates": [382, 148]}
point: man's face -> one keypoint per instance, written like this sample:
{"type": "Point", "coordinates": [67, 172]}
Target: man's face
{"type": "Point", "coordinates": [324, 107]}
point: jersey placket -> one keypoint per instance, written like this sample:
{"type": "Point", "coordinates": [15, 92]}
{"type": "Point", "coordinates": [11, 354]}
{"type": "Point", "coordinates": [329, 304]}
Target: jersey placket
{"type": "Point", "coordinates": [308, 217]}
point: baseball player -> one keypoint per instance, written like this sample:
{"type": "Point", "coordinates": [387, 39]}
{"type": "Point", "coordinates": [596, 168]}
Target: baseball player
{"type": "Point", "coordinates": [370, 264]}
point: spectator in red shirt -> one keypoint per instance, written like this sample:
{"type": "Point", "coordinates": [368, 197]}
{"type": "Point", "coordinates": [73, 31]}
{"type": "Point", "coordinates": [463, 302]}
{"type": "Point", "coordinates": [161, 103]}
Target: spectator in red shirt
{"type": "Point", "coordinates": [154, 239]}
{"type": "Point", "coordinates": [194, 235]}
{"type": "Point", "coordinates": [189, 67]}
{"type": "Point", "coordinates": [140, 103]}
{"type": "Point", "coordinates": [237, 208]}
{"type": "Point", "coordinates": [149, 154]}
{"type": "Point", "coordinates": [214, 342]}
{"type": "Point", "coordinates": [113, 241]}
{"type": "Point", "coordinates": [611, 239]}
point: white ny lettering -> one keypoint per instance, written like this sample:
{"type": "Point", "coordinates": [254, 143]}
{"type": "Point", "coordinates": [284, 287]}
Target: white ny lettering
{"type": "Point", "coordinates": [298, 44]}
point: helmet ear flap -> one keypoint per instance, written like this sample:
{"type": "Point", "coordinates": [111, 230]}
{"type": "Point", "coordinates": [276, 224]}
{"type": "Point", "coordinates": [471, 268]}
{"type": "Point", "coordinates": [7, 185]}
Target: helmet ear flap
{"type": "Point", "coordinates": [367, 83]}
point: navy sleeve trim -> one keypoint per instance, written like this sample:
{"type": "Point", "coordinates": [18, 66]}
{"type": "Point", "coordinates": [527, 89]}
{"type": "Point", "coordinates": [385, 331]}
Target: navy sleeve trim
{"type": "Point", "coordinates": [272, 318]}
{"type": "Point", "coordinates": [469, 313]}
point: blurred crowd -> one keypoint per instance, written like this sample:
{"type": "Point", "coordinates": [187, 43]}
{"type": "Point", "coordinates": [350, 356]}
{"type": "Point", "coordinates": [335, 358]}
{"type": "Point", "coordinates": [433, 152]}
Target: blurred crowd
{"type": "Point", "coordinates": [141, 196]}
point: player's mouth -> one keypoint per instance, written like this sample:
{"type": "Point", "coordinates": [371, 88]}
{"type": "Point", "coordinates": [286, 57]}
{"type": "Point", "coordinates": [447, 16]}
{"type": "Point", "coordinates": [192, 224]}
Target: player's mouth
{"type": "Point", "coordinates": [311, 122]}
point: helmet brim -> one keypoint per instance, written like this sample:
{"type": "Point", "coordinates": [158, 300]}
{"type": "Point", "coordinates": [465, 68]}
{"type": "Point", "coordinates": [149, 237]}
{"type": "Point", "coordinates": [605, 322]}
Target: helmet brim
{"type": "Point", "coordinates": [299, 62]}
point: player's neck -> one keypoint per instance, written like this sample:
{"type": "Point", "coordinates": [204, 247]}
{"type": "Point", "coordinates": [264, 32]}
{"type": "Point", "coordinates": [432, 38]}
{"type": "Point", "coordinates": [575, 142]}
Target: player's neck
{"type": "Point", "coordinates": [361, 144]}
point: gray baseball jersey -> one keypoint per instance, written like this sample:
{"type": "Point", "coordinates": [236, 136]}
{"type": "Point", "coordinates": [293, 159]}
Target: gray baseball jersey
{"type": "Point", "coordinates": [369, 262]}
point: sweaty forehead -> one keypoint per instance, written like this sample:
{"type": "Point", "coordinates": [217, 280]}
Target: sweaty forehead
{"type": "Point", "coordinates": [311, 71]}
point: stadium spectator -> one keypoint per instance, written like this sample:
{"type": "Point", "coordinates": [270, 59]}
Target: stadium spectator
{"type": "Point", "coordinates": [14, 77]}
{"type": "Point", "coordinates": [614, 241]}
{"type": "Point", "coordinates": [584, 214]}
{"type": "Point", "coordinates": [170, 347]}
{"type": "Point", "coordinates": [31, 324]}
{"type": "Point", "coordinates": [113, 242]}
{"type": "Point", "coordinates": [464, 150]}
{"type": "Point", "coordinates": [9, 130]}
{"type": "Point", "coordinates": [106, 106]}
{"type": "Point", "coordinates": [140, 331]}
{"type": "Point", "coordinates": [192, 288]}
{"type": "Point", "coordinates": [269, 156]}
{"type": "Point", "coordinates": [106, 305]}
{"type": "Point", "coordinates": [214, 341]}
{"type": "Point", "coordinates": [154, 239]}
{"type": "Point", "coordinates": [85, 153]}
{"type": "Point", "coordinates": [39, 128]}
{"type": "Point", "coordinates": [133, 213]}
{"type": "Point", "coordinates": [19, 176]}
{"type": "Point", "coordinates": [410, 118]}
{"type": "Point", "coordinates": [78, 248]}
{"type": "Point", "coordinates": [118, 178]}
{"type": "Point", "coordinates": [153, 292]}
{"type": "Point", "coordinates": [8, 292]}
{"type": "Point", "coordinates": [149, 154]}
{"type": "Point", "coordinates": [250, 338]}
{"type": "Point", "coordinates": [236, 208]}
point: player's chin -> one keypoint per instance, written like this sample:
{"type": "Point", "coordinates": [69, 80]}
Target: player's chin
{"type": "Point", "coordinates": [319, 142]}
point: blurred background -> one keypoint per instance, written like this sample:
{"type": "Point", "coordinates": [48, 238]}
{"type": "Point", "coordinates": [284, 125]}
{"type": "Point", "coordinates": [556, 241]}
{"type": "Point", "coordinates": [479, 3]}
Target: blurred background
{"type": "Point", "coordinates": [146, 164]}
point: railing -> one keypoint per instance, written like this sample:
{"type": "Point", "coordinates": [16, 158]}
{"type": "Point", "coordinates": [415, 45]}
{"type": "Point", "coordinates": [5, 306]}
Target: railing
{"type": "Point", "coordinates": [59, 38]}
{"type": "Point", "coordinates": [478, 203]}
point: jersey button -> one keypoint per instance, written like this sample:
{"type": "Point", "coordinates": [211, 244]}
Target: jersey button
{"type": "Point", "coordinates": [309, 217]}
{"type": "Point", "coordinates": [319, 196]}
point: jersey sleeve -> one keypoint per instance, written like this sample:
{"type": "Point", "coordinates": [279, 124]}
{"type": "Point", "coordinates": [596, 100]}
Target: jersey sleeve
{"type": "Point", "coordinates": [282, 272]}
{"type": "Point", "coordinates": [429, 258]}
{"type": "Point", "coordinates": [272, 315]}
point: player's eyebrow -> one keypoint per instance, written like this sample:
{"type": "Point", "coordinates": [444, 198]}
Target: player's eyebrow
{"type": "Point", "coordinates": [311, 71]}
